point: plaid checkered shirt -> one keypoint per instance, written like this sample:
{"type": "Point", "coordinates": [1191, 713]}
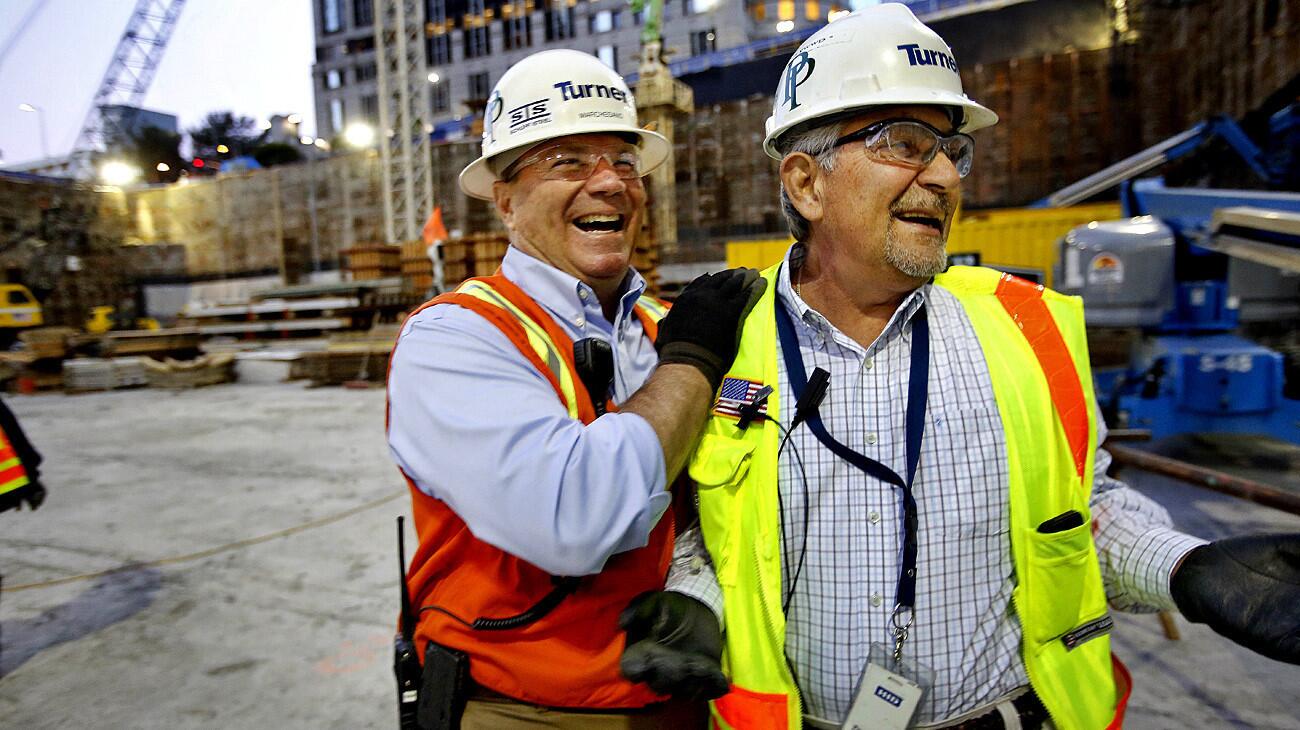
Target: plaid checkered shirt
{"type": "Point", "coordinates": [966, 630]}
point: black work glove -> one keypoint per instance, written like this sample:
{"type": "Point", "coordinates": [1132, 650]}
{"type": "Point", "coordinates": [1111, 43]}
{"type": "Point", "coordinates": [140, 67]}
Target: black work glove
{"type": "Point", "coordinates": [703, 327]}
{"type": "Point", "coordinates": [674, 645]}
{"type": "Point", "coordinates": [32, 493]}
{"type": "Point", "coordinates": [1247, 589]}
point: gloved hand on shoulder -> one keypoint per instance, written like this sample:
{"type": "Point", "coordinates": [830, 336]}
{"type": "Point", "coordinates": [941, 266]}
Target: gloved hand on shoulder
{"type": "Point", "coordinates": [674, 645]}
{"type": "Point", "coordinates": [703, 327]}
{"type": "Point", "coordinates": [1247, 589]}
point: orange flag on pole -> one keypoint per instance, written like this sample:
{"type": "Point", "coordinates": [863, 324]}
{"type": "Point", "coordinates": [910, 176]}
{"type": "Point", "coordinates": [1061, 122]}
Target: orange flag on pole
{"type": "Point", "coordinates": [434, 230]}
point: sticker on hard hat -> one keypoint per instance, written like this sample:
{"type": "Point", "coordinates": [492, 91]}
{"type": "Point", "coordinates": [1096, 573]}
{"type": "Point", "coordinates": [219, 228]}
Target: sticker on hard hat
{"type": "Point", "coordinates": [918, 56]}
{"type": "Point", "coordinates": [570, 91]}
{"type": "Point", "coordinates": [495, 106]}
{"type": "Point", "coordinates": [529, 115]}
{"type": "Point", "coordinates": [801, 62]}
{"type": "Point", "coordinates": [600, 115]}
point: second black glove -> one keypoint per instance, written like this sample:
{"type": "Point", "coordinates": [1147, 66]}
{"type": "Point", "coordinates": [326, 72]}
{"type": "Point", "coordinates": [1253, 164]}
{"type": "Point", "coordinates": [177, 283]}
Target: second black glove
{"type": "Point", "coordinates": [673, 645]}
{"type": "Point", "coordinates": [1247, 589]}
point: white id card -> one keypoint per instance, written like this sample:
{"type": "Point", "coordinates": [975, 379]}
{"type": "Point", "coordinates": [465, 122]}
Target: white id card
{"type": "Point", "coordinates": [888, 693]}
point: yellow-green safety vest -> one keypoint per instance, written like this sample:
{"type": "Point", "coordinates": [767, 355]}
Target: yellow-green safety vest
{"type": "Point", "coordinates": [1034, 343]}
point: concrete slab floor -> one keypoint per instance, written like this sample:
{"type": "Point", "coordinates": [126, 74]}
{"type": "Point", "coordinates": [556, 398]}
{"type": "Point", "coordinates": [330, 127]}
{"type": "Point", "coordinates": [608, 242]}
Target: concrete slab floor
{"type": "Point", "coordinates": [296, 630]}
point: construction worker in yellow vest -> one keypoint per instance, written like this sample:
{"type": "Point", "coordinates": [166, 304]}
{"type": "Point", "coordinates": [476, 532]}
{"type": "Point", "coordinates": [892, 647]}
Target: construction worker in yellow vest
{"type": "Point", "coordinates": [900, 485]}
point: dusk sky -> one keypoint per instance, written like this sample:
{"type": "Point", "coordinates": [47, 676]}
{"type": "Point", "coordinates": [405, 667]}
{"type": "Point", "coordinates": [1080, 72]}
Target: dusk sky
{"type": "Point", "coordinates": [252, 57]}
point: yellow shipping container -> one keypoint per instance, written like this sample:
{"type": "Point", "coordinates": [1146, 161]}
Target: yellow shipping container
{"type": "Point", "coordinates": [1022, 241]}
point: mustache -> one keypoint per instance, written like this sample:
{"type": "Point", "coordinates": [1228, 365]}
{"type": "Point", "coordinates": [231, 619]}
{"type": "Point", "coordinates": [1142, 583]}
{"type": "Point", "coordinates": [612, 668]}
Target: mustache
{"type": "Point", "coordinates": [914, 198]}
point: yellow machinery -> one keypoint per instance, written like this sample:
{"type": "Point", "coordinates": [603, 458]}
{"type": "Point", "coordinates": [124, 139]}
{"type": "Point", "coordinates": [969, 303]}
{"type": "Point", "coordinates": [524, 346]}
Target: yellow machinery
{"type": "Point", "coordinates": [1021, 241]}
{"type": "Point", "coordinates": [18, 308]}
{"type": "Point", "coordinates": [101, 320]}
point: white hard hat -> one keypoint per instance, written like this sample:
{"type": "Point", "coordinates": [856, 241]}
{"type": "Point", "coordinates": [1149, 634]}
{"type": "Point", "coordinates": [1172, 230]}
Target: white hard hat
{"type": "Point", "coordinates": [553, 94]}
{"type": "Point", "coordinates": [880, 55]}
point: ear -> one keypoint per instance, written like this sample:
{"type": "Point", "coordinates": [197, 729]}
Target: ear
{"type": "Point", "coordinates": [503, 199]}
{"type": "Point", "coordinates": [801, 177]}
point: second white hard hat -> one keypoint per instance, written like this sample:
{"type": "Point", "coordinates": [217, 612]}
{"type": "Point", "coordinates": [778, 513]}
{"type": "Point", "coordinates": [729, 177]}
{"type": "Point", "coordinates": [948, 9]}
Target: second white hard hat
{"type": "Point", "coordinates": [553, 94]}
{"type": "Point", "coordinates": [880, 55]}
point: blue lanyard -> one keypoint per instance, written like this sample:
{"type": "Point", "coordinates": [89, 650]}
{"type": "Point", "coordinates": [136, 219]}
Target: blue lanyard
{"type": "Point", "coordinates": [918, 387]}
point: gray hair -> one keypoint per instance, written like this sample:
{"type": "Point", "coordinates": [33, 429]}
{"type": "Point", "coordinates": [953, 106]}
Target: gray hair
{"type": "Point", "coordinates": [819, 143]}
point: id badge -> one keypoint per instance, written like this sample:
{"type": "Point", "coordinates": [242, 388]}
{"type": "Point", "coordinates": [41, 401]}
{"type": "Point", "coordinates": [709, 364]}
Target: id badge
{"type": "Point", "coordinates": [888, 692]}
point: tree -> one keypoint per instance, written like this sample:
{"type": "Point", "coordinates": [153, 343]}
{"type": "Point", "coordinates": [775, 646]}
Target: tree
{"type": "Point", "coordinates": [276, 153]}
{"type": "Point", "coordinates": [239, 134]}
{"type": "Point", "coordinates": [152, 145]}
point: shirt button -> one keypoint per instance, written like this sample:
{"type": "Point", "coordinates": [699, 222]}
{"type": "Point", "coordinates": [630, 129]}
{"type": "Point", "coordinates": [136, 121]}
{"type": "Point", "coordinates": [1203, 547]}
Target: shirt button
{"type": "Point", "coordinates": [874, 517]}
{"type": "Point", "coordinates": [582, 294]}
{"type": "Point", "coordinates": [868, 363]}
{"type": "Point", "coordinates": [580, 322]}
{"type": "Point", "coordinates": [876, 599]}
{"type": "Point", "coordinates": [871, 438]}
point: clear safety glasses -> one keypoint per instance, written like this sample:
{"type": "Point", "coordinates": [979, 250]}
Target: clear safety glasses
{"type": "Point", "coordinates": [574, 164]}
{"type": "Point", "coordinates": [913, 143]}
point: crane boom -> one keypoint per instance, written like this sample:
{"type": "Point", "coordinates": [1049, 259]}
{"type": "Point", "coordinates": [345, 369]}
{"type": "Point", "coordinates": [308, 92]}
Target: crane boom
{"type": "Point", "coordinates": [127, 77]}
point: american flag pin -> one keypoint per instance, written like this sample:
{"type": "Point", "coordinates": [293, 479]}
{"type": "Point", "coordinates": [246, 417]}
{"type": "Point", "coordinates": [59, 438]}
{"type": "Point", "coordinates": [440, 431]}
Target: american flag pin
{"type": "Point", "coordinates": [735, 394]}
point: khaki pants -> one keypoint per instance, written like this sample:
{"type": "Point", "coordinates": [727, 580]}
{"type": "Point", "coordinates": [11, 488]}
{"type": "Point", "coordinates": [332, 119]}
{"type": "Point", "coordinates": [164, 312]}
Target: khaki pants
{"type": "Point", "coordinates": [504, 714]}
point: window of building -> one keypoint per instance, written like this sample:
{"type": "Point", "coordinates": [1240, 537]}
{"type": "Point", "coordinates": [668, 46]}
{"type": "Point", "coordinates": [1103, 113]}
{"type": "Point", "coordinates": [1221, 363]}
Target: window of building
{"type": "Point", "coordinates": [435, 11]}
{"type": "Point", "coordinates": [360, 45]}
{"type": "Point", "coordinates": [479, 88]}
{"type": "Point", "coordinates": [608, 55]}
{"type": "Point", "coordinates": [516, 32]}
{"type": "Point", "coordinates": [370, 108]}
{"type": "Point", "coordinates": [478, 41]}
{"type": "Point", "coordinates": [703, 41]}
{"type": "Point", "coordinates": [331, 15]}
{"type": "Point", "coordinates": [785, 9]}
{"type": "Point", "coordinates": [559, 23]}
{"type": "Point", "coordinates": [603, 21]}
{"type": "Point", "coordinates": [758, 10]}
{"type": "Point", "coordinates": [324, 53]}
{"type": "Point", "coordinates": [363, 13]}
{"type": "Point", "coordinates": [366, 72]}
{"type": "Point", "coordinates": [812, 10]}
{"type": "Point", "coordinates": [336, 115]}
{"type": "Point", "coordinates": [695, 7]}
{"type": "Point", "coordinates": [333, 78]}
{"type": "Point", "coordinates": [440, 97]}
{"type": "Point", "coordinates": [438, 50]}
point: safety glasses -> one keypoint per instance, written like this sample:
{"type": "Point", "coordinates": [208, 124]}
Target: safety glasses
{"type": "Point", "coordinates": [576, 163]}
{"type": "Point", "coordinates": [913, 143]}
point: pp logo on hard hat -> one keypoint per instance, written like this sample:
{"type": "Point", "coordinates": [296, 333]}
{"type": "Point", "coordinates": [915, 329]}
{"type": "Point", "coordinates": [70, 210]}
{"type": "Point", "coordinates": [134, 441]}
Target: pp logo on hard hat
{"type": "Point", "coordinates": [796, 66]}
{"type": "Point", "coordinates": [880, 55]}
{"type": "Point", "coordinates": [555, 94]}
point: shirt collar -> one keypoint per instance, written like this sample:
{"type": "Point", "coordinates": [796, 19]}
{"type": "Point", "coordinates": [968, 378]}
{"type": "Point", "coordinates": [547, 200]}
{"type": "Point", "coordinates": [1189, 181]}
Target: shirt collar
{"type": "Point", "coordinates": [562, 293]}
{"type": "Point", "coordinates": [814, 320]}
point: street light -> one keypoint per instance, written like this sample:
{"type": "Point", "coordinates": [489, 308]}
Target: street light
{"type": "Point", "coordinates": [40, 121]}
{"type": "Point", "coordinates": [434, 77]}
{"type": "Point", "coordinates": [359, 135]}
{"type": "Point", "coordinates": [163, 167]}
{"type": "Point", "coordinates": [117, 172]}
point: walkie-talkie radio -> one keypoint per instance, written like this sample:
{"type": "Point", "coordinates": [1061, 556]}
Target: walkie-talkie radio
{"type": "Point", "coordinates": [406, 663]}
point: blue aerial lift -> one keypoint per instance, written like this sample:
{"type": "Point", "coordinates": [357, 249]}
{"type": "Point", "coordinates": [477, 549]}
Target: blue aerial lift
{"type": "Point", "coordinates": [1188, 268]}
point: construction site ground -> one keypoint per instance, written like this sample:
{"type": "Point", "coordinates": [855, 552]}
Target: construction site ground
{"type": "Point", "coordinates": [224, 558]}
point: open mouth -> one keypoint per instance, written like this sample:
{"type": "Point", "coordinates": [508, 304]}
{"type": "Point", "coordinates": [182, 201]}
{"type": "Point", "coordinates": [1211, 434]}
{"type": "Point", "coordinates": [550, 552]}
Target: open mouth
{"type": "Point", "coordinates": [600, 223]}
{"type": "Point", "coordinates": [922, 219]}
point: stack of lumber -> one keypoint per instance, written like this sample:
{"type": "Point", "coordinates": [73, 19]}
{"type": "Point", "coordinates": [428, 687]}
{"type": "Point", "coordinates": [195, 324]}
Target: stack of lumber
{"type": "Point", "coordinates": [205, 370]}
{"type": "Point", "coordinates": [417, 269]}
{"type": "Point", "coordinates": [86, 374]}
{"type": "Point", "coordinates": [46, 342]}
{"type": "Point", "coordinates": [274, 316]}
{"type": "Point", "coordinates": [174, 341]}
{"type": "Point", "coordinates": [353, 356]}
{"type": "Point", "coordinates": [478, 254]}
{"type": "Point", "coordinates": [373, 262]}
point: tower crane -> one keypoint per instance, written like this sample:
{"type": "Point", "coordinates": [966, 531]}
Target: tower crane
{"type": "Point", "coordinates": [126, 79]}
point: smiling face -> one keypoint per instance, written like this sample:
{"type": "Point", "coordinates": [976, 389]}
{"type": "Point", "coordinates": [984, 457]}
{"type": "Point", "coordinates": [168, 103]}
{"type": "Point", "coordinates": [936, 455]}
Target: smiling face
{"type": "Point", "coordinates": [886, 213]}
{"type": "Point", "coordinates": [586, 227]}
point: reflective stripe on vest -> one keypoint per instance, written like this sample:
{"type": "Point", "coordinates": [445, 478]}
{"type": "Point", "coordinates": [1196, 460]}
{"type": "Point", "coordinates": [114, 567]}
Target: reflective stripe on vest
{"type": "Point", "coordinates": [1059, 581]}
{"type": "Point", "coordinates": [568, 658]}
{"type": "Point", "coordinates": [12, 472]}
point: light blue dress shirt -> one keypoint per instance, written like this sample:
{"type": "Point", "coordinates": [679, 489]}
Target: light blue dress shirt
{"type": "Point", "coordinates": [474, 424]}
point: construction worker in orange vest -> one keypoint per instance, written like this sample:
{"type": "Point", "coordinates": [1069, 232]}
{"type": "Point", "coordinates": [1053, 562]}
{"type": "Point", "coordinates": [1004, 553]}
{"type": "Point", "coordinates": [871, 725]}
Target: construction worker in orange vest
{"type": "Point", "coordinates": [540, 415]}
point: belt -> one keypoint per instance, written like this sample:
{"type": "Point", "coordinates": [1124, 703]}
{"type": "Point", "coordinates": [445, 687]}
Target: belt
{"type": "Point", "coordinates": [1026, 708]}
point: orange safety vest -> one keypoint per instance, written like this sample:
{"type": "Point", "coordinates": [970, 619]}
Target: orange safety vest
{"type": "Point", "coordinates": [569, 657]}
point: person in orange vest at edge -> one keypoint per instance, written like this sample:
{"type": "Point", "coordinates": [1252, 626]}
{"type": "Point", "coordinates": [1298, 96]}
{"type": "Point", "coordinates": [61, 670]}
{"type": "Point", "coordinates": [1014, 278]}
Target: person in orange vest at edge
{"type": "Point", "coordinates": [541, 414]}
{"type": "Point", "coordinates": [19, 466]}
{"type": "Point", "coordinates": [900, 485]}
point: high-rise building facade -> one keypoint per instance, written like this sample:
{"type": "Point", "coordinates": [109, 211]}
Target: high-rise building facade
{"type": "Point", "coordinates": [470, 43]}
